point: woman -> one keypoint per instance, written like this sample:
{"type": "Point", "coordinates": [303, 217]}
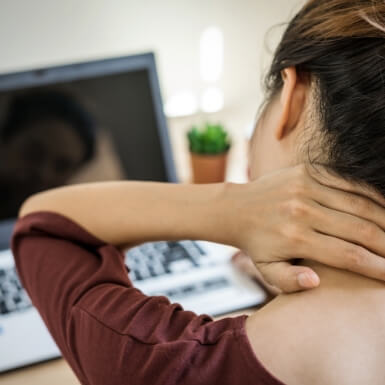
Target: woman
{"type": "Point", "coordinates": [326, 101]}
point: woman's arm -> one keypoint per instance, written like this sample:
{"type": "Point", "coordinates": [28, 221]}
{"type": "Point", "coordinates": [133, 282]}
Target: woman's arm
{"type": "Point", "coordinates": [288, 215]}
{"type": "Point", "coordinates": [128, 213]}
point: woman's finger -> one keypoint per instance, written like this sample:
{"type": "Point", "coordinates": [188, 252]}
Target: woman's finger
{"type": "Point", "coordinates": [326, 178]}
{"type": "Point", "coordinates": [350, 228]}
{"type": "Point", "coordinates": [287, 277]}
{"type": "Point", "coordinates": [341, 254]}
{"type": "Point", "coordinates": [349, 203]}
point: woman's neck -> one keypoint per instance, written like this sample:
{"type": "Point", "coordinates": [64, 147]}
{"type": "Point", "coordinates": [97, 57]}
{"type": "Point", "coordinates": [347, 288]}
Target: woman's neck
{"type": "Point", "coordinates": [342, 281]}
{"type": "Point", "coordinates": [341, 292]}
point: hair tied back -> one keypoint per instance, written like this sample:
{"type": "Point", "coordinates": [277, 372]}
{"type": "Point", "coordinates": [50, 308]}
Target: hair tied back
{"type": "Point", "coordinates": [337, 19]}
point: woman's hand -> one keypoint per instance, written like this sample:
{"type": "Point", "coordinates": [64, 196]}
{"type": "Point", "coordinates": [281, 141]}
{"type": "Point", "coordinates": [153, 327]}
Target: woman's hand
{"type": "Point", "coordinates": [308, 213]}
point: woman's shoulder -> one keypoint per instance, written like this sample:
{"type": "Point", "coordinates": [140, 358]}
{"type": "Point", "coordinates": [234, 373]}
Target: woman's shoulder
{"type": "Point", "coordinates": [319, 337]}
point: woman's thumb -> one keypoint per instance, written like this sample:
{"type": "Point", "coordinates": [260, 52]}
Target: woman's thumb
{"type": "Point", "coordinates": [289, 278]}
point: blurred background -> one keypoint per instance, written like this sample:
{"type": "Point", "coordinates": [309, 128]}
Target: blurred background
{"type": "Point", "coordinates": [211, 55]}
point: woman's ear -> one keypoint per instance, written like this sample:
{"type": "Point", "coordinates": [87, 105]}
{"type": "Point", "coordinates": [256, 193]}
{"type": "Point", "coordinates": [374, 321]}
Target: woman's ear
{"type": "Point", "coordinates": [292, 102]}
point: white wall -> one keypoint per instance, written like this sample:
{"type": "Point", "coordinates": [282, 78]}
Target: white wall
{"type": "Point", "coordinates": [36, 33]}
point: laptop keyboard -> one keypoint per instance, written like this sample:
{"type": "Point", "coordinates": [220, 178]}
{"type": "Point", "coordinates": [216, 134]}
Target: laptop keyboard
{"type": "Point", "coordinates": [12, 295]}
{"type": "Point", "coordinates": [160, 258]}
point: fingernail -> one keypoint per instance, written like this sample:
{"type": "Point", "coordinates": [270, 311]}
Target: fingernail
{"type": "Point", "coordinates": [308, 280]}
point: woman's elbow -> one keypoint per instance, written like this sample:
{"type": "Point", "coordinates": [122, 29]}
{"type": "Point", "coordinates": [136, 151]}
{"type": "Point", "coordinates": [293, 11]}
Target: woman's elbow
{"type": "Point", "coordinates": [28, 206]}
{"type": "Point", "coordinates": [42, 201]}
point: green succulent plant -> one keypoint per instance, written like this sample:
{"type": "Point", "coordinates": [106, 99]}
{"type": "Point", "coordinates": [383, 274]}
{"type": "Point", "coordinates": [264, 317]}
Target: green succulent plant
{"type": "Point", "coordinates": [210, 139]}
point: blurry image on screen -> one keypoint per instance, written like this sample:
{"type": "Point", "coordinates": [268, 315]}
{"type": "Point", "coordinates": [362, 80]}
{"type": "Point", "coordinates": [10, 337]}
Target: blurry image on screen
{"type": "Point", "coordinates": [87, 130]}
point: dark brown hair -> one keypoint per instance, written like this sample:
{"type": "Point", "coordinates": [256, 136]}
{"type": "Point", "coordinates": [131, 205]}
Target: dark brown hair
{"type": "Point", "coordinates": [341, 45]}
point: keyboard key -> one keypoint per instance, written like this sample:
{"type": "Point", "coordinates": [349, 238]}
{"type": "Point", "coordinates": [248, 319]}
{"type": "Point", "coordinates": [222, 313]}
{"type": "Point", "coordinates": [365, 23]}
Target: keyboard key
{"type": "Point", "coordinates": [180, 266]}
{"type": "Point", "coordinates": [3, 308]}
{"type": "Point", "coordinates": [216, 283]}
{"type": "Point", "coordinates": [188, 289]}
{"type": "Point", "coordinates": [12, 295]}
{"type": "Point", "coordinates": [202, 287]}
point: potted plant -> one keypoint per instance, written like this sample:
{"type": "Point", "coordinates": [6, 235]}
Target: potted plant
{"type": "Point", "coordinates": [209, 147]}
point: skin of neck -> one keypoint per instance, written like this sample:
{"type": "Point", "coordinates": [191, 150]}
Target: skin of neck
{"type": "Point", "coordinates": [339, 291]}
{"type": "Point", "coordinates": [343, 281]}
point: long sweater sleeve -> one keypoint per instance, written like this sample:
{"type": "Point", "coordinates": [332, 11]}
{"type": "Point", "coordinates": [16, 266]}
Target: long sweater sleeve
{"type": "Point", "coordinates": [109, 331]}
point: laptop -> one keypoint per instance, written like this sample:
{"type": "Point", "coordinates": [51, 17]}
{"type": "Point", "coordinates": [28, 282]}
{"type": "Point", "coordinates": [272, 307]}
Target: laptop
{"type": "Point", "coordinates": [110, 115]}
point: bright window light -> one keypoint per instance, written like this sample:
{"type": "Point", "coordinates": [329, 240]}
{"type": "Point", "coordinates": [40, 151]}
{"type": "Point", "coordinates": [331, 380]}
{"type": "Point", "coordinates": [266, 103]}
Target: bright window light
{"type": "Point", "coordinates": [211, 54]}
{"type": "Point", "coordinates": [183, 103]}
{"type": "Point", "coordinates": [212, 100]}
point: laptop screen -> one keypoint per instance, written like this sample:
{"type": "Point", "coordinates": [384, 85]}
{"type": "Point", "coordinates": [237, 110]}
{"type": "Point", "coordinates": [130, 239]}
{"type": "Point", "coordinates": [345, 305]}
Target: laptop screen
{"type": "Point", "coordinates": [96, 121]}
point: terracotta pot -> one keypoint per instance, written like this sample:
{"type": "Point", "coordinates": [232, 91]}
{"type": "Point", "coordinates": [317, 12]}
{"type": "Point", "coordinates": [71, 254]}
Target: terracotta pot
{"type": "Point", "coordinates": [209, 168]}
